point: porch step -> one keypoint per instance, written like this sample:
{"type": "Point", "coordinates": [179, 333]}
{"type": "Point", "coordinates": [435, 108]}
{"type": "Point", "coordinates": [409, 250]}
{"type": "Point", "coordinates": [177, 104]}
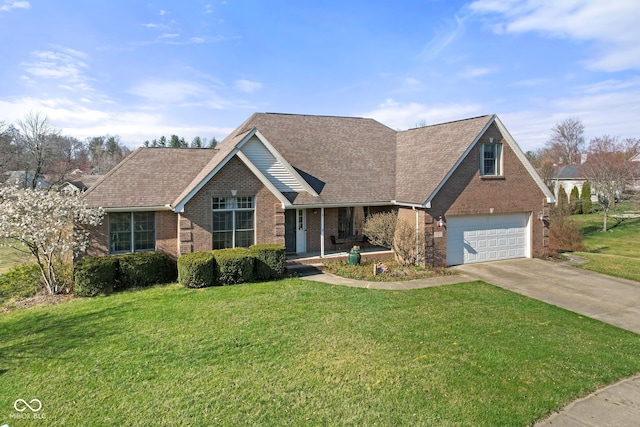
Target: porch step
{"type": "Point", "coordinates": [300, 269]}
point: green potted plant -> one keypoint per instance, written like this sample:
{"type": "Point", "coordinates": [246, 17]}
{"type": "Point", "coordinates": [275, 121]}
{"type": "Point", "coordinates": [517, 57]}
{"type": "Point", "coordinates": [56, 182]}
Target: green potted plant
{"type": "Point", "coordinates": [354, 255]}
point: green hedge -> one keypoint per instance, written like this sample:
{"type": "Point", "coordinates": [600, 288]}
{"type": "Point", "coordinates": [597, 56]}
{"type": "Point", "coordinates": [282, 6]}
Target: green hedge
{"type": "Point", "coordinates": [142, 269]}
{"type": "Point", "coordinates": [102, 275]}
{"type": "Point", "coordinates": [22, 281]}
{"type": "Point", "coordinates": [95, 276]}
{"type": "Point", "coordinates": [197, 270]}
{"type": "Point", "coordinates": [233, 266]}
{"type": "Point", "coordinates": [269, 261]}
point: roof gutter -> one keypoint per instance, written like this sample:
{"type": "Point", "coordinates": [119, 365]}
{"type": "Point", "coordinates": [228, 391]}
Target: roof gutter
{"type": "Point", "coordinates": [140, 208]}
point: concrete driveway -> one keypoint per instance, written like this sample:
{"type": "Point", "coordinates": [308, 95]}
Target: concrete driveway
{"type": "Point", "coordinates": [612, 300]}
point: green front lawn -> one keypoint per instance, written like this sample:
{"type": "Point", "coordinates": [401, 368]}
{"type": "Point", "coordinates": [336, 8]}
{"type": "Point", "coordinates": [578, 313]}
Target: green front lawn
{"type": "Point", "coordinates": [296, 353]}
{"type": "Point", "coordinates": [616, 252]}
{"type": "Point", "coordinates": [10, 257]}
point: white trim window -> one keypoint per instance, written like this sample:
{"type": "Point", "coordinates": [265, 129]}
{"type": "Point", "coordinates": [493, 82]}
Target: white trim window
{"type": "Point", "coordinates": [233, 222]}
{"type": "Point", "coordinates": [132, 232]}
{"type": "Point", "coordinates": [490, 159]}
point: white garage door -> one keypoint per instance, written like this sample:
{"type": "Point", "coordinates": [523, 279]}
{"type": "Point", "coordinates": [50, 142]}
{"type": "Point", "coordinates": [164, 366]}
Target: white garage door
{"type": "Point", "coordinates": [482, 238]}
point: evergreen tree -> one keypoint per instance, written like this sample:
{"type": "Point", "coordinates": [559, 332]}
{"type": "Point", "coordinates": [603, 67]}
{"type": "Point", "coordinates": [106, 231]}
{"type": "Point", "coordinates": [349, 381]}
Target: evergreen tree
{"type": "Point", "coordinates": [574, 201]}
{"type": "Point", "coordinates": [562, 200]}
{"type": "Point", "coordinates": [586, 197]}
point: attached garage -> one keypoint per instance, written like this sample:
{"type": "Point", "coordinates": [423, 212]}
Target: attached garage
{"type": "Point", "coordinates": [482, 238]}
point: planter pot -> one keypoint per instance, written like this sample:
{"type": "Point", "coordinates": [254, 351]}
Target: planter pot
{"type": "Point", "coordinates": [354, 258]}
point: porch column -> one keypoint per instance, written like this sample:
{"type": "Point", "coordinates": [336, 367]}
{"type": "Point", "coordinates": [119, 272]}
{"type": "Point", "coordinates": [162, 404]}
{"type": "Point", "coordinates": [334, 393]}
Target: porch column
{"type": "Point", "coordinates": [321, 232]}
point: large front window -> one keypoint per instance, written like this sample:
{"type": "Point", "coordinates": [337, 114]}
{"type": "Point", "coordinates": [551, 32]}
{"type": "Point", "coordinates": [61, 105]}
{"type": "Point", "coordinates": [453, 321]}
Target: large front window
{"type": "Point", "coordinates": [132, 232]}
{"type": "Point", "coordinates": [233, 222]}
{"type": "Point", "coordinates": [490, 159]}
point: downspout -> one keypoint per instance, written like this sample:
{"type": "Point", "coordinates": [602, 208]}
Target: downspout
{"type": "Point", "coordinates": [417, 235]}
{"type": "Point", "coordinates": [321, 232]}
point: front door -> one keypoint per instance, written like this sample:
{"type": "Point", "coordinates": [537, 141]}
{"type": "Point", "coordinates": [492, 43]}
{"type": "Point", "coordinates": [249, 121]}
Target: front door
{"type": "Point", "coordinates": [301, 231]}
{"type": "Point", "coordinates": [290, 230]}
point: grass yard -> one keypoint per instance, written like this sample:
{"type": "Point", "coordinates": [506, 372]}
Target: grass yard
{"type": "Point", "coordinates": [10, 257]}
{"type": "Point", "coordinates": [617, 252]}
{"type": "Point", "coordinates": [296, 353]}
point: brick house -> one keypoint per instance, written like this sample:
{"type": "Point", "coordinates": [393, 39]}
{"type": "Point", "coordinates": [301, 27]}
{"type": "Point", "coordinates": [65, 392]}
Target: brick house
{"type": "Point", "coordinates": [309, 181]}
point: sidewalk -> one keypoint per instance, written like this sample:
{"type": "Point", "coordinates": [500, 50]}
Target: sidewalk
{"type": "Point", "coordinates": [615, 405]}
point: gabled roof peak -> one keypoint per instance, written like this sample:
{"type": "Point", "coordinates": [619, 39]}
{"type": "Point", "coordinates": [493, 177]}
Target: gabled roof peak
{"type": "Point", "coordinates": [451, 122]}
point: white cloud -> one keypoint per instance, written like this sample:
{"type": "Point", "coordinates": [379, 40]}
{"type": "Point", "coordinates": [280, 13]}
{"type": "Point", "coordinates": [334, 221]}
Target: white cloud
{"type": "Point", "coordinates": [442, 39]}
{"type": "Point", "coordinates": [182, 93]}
{"type": "Point", "coordinates": [7, 5]}
{"type": "Point", "coordinates": [405, 116]}
{"type": "Point", "coordinates": [66, 65]}
{"type": "Point", "coordinates": [247, 86]}
{"type": "Point", "coordinates": [471, 73]}
{"type": "Point", "coordinates": [78, 120]}
{"type": "Point", "coordinates": [611, 25]}
{"type": "Point", "coordinates": [613, 112]}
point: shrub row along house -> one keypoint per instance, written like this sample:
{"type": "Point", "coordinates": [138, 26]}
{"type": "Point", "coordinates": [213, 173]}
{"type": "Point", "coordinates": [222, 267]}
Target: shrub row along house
{"type": "Point", "coordinates": [308, 182]}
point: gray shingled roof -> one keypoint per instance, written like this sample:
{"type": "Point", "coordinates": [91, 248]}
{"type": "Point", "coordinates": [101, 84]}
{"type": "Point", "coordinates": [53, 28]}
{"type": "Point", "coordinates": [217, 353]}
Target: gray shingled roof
{"type": "Point", "coordinates": [346, 160]}
{"type": "Point", "coordinates": [148, 177]}
{"type": "Point", "coordinates": [426, 155]}
{"type": "Point", "coordinates": [351, 159]}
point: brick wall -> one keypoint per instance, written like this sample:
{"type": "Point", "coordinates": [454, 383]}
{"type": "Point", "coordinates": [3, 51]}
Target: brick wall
{"type": "Point", "coordinates": [195, 223]}
{"type": "Point", "coordinates": [468, 193]}
{"type": "Point", "coordinates": [166, 235]}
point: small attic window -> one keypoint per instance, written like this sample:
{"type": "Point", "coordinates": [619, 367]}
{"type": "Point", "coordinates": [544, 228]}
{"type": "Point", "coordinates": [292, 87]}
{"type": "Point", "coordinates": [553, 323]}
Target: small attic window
{"type": "Point", "coordinates": [490, 159]}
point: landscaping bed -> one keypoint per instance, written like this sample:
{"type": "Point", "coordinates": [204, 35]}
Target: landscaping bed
{"type": "Point", "coordinates": [387, 271]}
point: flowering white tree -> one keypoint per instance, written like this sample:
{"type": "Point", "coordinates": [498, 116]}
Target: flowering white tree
{"type": "Point", "coordinates": [51, 225]}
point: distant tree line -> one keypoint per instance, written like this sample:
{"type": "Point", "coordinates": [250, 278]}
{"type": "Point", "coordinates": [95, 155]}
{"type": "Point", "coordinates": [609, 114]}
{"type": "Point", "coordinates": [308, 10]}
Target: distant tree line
{"type": "Point", "coordinates": [178, 142]}
{"type": "Point", "coordinates": [36, 149]}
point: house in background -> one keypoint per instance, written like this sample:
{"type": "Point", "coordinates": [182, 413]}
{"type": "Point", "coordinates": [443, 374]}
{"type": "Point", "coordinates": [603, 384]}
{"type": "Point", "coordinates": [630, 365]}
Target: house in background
{"type": "Point", "coordinates": [307, 181]}
{"type": "Point", "coordinates": [567, 177]}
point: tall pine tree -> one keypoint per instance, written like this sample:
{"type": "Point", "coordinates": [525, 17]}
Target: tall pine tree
{"type": "Point", "coordinates": [574, 201]}
{"type": "Point", "coordinates": [586, 197]}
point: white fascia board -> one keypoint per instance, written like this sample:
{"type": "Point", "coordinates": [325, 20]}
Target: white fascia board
{"type": "Point", "coordinates": [139, 209]}
{"type": "Point", "coordinates": [281, 159]}
{"type": "Point", "coordinates": [426, 205]}
{"type": "Point", "coordinates": [459, 161]}
{"type": "Point", "coordinates": [338, 205]}
{"type": "Point", "coordinates": [523, 159]}
{"type": "Point", "coordinates": [263, 179]}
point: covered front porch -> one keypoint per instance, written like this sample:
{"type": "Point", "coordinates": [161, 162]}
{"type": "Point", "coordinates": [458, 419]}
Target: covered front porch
{"type": "Point", "coordinates": [327, 231]}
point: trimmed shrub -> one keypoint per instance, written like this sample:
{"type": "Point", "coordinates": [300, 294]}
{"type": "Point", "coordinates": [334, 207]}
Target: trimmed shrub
{"type": "Point", "coordinates": [564, 234]}
{"type": "Point", "coordinates": [233, 266]}
{"type": "Point", "coordinates": [96, 276]}
{"type": "Point", "coordinates": [142, 269]}
{"type": "Point", "coordinates": [22, 281]}
{"type": "Point", "coordinates": [197, 270]}
{"type": "Point", "coordinates": [269, 261]}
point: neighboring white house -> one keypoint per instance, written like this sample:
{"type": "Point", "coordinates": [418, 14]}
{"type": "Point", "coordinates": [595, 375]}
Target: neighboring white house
{"type": "Point", "coordinates": [570, 176]}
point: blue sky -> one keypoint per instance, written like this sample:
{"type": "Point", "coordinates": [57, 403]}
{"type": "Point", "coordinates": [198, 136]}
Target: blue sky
{"type": "Point", "coordinates": [142, 69]}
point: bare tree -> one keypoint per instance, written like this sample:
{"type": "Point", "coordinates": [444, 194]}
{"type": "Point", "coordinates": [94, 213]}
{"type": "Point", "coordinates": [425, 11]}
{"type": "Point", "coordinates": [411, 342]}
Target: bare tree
{"type": "Point", "coordinates": [36, 136]}
{"type": "Point", "coordinates": [567, 140]}
{"type": "Point", "coordinates": [608, 171]}
{"type": "Point", "coordinates": [543, 162]}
